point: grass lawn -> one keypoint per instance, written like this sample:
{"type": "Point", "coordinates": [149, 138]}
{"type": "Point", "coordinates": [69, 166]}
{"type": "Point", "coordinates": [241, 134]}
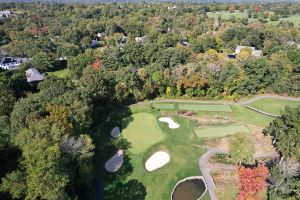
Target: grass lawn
{"type": "Point", "coordinates": [205, 107]}
{"type": "Point", "coordinates": [167, 106]}
{"type": "Point", "coordinates": [272, 105]}
{"type": "Point", "coordinates": [142, 132]}
{"type": "Point", "coordinates": [61, 73]}
{"type": "Point", "coordinates": [221, 131]}
{"type": "Point", "coordinates": [226, 14]}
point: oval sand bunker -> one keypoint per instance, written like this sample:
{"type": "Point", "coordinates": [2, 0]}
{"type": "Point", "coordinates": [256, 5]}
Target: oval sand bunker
{"type": "Point", "coordinates": [115, 162]}
{"type": "Point", "coordinates": [170, 121]}
{"type": "Point", "coordinates": [157, 160]}
{"type": "Point", "coordinates": [190, 188]}
{"type": "Point", "coordinates": [115, 132]}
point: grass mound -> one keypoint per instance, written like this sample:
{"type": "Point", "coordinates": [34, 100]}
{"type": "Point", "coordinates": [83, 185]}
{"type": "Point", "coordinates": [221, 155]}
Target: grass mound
{"type": "Point", "coordinates": [143, 132]}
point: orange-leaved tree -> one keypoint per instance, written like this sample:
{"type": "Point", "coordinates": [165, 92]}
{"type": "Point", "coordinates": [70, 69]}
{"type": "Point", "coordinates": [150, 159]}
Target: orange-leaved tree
{"type": "Point", "coordinates": [251, 181]}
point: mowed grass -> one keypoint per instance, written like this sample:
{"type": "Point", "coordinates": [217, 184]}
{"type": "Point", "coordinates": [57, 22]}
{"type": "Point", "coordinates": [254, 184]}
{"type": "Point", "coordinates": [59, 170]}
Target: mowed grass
{"type": "Point", "coordinates": [221, 131]}
{"type": "Point", "coordinates": [184, 148]}
{"type": "Point", "coordinates": [142, 132]}
{"type": "Point", "coordinates": [61, 73]}
{"type": "Point", "coordinates": [205, 107]}
{"type": "Point", "coordinates": [167, 106]}
{"type": "Point", "coordinates": [273, 105]}
{"type": "Point", "coordinates": [226, 15]}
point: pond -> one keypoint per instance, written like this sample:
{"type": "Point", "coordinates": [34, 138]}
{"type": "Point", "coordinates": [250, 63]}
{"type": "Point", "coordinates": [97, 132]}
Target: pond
{"type": "Point", "coordinates": [191, 188]}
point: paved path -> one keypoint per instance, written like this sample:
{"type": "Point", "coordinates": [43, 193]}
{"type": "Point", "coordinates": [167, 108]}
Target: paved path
{"type": "Point", "coordinates": [262, 112]}
{"type": "Point", "coordinates": [267, 96]}
{"type": "Point", "coordinates": [205, 168]}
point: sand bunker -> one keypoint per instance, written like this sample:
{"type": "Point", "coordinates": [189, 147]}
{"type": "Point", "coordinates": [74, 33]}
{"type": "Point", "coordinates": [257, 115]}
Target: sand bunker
{"type": "Point", "coordinates": [157, 160]}
{"type": "Point", "coordinates": [115, 162]}
{"type": "Point", "coordinates": [170, 121]}
{"type": "Point", "coordinates": [115, 132]}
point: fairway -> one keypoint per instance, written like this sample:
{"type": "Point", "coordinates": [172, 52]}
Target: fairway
{"type": "Point", "coordinates": [205, 107]}
{"type": "Point", "coordinates": [221, 131]}
{"type": "Point", "coordinates": [142, 132]}
{"type": "Point", "coordinates": [226, 15]}
{"type": "Point", "coordinates": [273, 106]}
{"type": "Point", "coordinates": [167, 106]}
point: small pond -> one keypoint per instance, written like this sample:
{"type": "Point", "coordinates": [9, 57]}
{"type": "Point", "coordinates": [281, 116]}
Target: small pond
{"type": "Point", "coordinates": [191, 188]}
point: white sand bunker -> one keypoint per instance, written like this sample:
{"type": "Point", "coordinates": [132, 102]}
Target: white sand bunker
{"type": "Point", "coordinates": [170, 121]}
{"type": "Point", "coordinates": [115, 132]}
{"type": "Point", "coordinates": [157, 160]}
{"type": "Point", "coordinates": [115, 162]}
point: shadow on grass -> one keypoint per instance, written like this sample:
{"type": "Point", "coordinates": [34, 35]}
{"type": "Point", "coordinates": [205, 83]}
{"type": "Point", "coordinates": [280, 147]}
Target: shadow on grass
{"type": "Point", "coordinates": [115, 185]}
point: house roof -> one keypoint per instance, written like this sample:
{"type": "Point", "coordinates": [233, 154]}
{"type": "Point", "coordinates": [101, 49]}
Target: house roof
{"type": "Point", "coordinates": [239, 48]}
{"type": "Point", "coordinates": [33, 75]}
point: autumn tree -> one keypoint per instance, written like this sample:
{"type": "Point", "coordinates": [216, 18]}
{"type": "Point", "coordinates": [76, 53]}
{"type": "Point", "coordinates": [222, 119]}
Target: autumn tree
{"type": "Point", "coordinates": [251, 181]}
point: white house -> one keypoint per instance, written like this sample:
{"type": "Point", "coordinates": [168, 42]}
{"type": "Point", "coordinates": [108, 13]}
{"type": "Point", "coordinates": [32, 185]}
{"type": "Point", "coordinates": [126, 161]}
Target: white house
{"type": "Point", "coordinates": [9, 63]}
{"type": "Point", "coordinates": [33, 75]}
{"type": "Point", "coordinates": [255, 53]}
{"type": "Point", "coordinates": [5, 13]}
{"type": "Point", "coordinates": [142, 40]}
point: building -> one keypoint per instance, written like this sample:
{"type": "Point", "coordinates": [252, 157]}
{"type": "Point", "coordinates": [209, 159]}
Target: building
{"type": "Point", "coordinates": [255, 53]}
{"type": "Point", "coordinates": [5, 13]}
{"type": "Point", "coordinates": [142, 40]}
{"type": "Point", "coordinates": [33, 75]}
{"type": "Point", "coordinates": [9, 63]}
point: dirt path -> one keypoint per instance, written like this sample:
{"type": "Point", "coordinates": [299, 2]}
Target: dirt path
{"type": "Point", "coordinates": [206, 167]}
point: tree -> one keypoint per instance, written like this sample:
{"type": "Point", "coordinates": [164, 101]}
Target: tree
{"type": "Point", "coordinates": [285, 132]}
{"type": "Point", "coordinates": [251, 181]}
{"type": "Point", "coordinates": [241, 148]}
{"type": "Point", "coordinates": [78, 63]}
{"type": "Point", "coordinates": [41, 62]}
{"type": "Point", "coordinates": [15, 184]}
{"type": "Point", "coordinates": [7, 99]}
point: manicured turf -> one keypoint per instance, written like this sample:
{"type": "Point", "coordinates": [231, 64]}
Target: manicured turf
{"type": "Point", "coordinates": [205, 107]}
{"type": "Point", "coordinates": [221, 131]}
{"type": "Point", "coordinates": [273, 106]}
{"type": "Point", "coordinates": [166, 106]}
{"type": "Point", "coordinates": [184, 148]}
{"type": "Point", "coordinates": [142, 132]}
{"type": "Point", "coordinates": [226, 15]}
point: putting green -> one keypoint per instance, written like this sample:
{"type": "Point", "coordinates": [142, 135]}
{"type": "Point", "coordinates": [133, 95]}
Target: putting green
{"type": "Point", "coordinates": [205, 107]}
{"type": "Point", "coordinates": [221, 131]}
{"type": "Point", "coordinates": [167, 106]}
{"type": "Point", "coordinates": [273, 106]}
{"type": "Point", "coordinates": [142, 132]}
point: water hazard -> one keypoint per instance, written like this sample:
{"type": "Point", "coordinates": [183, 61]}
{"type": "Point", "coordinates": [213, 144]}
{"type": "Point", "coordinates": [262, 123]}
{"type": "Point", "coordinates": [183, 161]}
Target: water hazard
{"type": "Point", "coordinates": [191, 189]}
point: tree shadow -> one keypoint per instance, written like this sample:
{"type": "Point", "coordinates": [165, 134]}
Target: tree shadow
{"type": "Point", "coordinates": [116, 185]}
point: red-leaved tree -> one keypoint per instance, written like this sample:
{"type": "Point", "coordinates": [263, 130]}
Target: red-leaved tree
{"type": "Point", "coordinates": [251, 181]}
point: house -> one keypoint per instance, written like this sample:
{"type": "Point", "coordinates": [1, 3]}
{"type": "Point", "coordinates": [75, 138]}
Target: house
{"type": "Point", "coordinates": [94, 43]}
{"type": "Point", "coordinates": [10, 63]}
{"type": "Point", "coordinates": [5, 13]}
{"type": "Point", "coordinates": [142, 40]}
{"type": "Point", "coordinates": [232, 56]}
{"type": "Point", "coordinates": [33, 75]}
{"type": "Point", "coordinates": [255, 53]}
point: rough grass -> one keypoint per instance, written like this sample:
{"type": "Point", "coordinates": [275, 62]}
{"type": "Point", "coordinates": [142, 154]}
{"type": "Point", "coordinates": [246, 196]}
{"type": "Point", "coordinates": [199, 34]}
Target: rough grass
{"type": "Point", "coordinates": [167, 106]}
{"type": "Point", "coordinates": [205, 107]}
{"type": "Point", "coordinates": [273, 106]}
{"type": "Point", "coordinates": [221, 131]}
{"type": "Point", "coordinates": [142, 132]}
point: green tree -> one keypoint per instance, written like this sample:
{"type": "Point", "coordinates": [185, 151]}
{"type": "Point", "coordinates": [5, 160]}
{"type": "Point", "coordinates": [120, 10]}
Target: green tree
{"type": "Point", "coordinates": [241, 148]}
{"type": "Point", "coordinates": [285, 131]}
{"type": "Point", "coordinates": [41, 62]}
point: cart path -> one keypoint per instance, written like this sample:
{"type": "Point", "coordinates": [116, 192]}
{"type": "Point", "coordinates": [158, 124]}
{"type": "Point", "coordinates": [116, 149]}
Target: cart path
{"type": "Point", "coordinates": [205, 168]}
